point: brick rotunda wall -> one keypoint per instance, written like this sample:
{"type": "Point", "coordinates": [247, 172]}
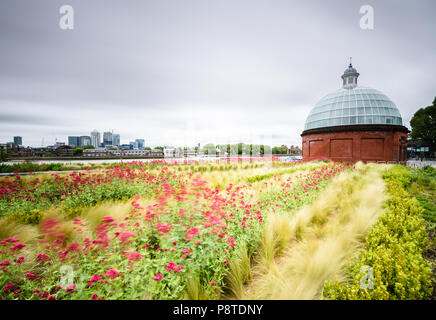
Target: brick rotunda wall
{"type": "Point", "coordinates": [354, 143]}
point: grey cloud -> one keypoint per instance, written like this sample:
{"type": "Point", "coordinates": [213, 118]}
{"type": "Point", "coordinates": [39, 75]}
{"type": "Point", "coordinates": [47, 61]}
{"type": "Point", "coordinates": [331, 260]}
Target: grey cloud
{"type": "Point", "coordinates": [149, 68]}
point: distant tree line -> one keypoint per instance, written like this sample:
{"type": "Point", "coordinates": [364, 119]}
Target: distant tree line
{"type": "Point", "coordinates": [242, 148]}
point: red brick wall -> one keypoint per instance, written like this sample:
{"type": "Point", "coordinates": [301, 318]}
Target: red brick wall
{"type": "Point", "coordinates": [355, 145]}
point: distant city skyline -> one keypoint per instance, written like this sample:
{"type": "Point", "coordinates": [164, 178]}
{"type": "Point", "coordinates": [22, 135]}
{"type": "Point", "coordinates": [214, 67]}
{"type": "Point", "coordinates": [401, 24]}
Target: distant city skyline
{"type": "Point", "coordinates": [182, 73]}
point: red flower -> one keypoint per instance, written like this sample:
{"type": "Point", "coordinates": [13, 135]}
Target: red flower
{"type": "Point", "coordinates": [17, 291]}
{"type": "Point", "coordinates": [20, 259]}
{"type": "Point", "coordinates": [212, 283]}
{"type": "Point", "coordinates": [43, 257]}
{"type": "Point", "coordinates": [17, 246]}
{"type": "Point", "coordinates": [125, 235]}
{"type": "Point", "coordinates": [94, 296]}
{"type": "Point", "coordinates": [158, 277]}
{"type": "Point", "coordinates": [44, 295]}
{"type": "Point", "coordinates": [170, 266]}
{"type": "Point", "coordinates": [111, 273]}
{"type": "Point", "coordinates": [8, 286]}
{"type": "Point", "coordinates": [5, 263]}
{"type": "Point", "coordinates": [70, 288]}
{"type": "Point", "coordinates": [193, 231]}
{"type": "Point", "coordinates": [178, 268]}
{"type": "Point", "coordinates": [30, 276]}
{"type": "Point", "coordinates": [95, 278]}
{"type": "Point", "coordinates": [133, 256]}
{"type": "Point", "coordinates": [107, 219]}
{"type": "Point", "coordinates": [73, 247]}
{"type": "Point", "coordinates": [51, 298]}
{"type": "Point", "coordinates": [10, 240]}
{"type": "Point", "coordinates": [36, 291]}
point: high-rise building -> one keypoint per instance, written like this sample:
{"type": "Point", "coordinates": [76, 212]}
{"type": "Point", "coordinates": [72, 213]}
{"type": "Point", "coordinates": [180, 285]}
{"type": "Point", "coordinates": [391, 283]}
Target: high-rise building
{"type": "Point", "coordinates": [95, 138]}
{"type": "Point", "coordinates": [116, 139]}
{"type": "Point", "coordinates": [133, 145]}
{"type": "Point", "coordinates": [73, 141]}
{"type": "Point", "coordinates": [140, 143]}
{"type": "Point", "coordinates": [85, 141]}
{"type": "Point", "coordinates": [107, 138]}
{"type": "Point", "coordinates": [18, 141]}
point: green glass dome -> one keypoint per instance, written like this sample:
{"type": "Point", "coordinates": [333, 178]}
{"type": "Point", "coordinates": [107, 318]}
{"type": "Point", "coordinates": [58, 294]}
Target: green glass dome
{"type": "Point", "coordinates": [353, 105]}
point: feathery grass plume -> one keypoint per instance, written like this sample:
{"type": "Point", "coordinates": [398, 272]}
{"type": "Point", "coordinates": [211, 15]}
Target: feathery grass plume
{"type": "Point", "coordinates": [328, 233]}
{"type": "Point", "coordinates": [116, 210]}
{"type": "Point", "coordinates": [195, 290]}
{"type": "Point", "coordinates": [239, 272]}
{"type": "Point", "coordinates": [9, 228]}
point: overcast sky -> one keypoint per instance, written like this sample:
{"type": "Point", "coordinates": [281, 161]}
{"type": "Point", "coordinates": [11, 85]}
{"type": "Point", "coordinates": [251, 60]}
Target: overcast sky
{"type": "Point", "coordinates": [179, 72]}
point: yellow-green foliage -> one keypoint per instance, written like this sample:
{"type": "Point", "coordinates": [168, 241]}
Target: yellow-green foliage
{"type": "Point", "coordinates": [393, 249]}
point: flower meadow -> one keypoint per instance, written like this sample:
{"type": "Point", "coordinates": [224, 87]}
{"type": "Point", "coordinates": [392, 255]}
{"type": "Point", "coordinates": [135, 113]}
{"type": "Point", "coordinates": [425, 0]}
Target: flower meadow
{"type": "Point", "coordinates": [144, 230]}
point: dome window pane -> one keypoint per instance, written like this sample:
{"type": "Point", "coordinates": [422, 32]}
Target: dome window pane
{"type": "Point", "coordinates": [345, 121]}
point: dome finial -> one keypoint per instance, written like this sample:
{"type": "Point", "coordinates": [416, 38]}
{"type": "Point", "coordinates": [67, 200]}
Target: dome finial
{"type": "Point", "coordinates": [350, 76]}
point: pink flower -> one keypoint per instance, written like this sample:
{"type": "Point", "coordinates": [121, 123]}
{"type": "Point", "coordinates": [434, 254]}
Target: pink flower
{"type": "Point", "coordinates": [70, 288]}
{"type": "Point", "coordinates": [8, 286]}
{"type": "Point", "coordinates": [17, 291]}
{"type": "Point", "coordinates": [178, 268]}
{"type": "Point", "coordinates": [30, 276]}
{"type": "Point", "coordinates": [170, 266]}
{"type": "Point", "coordinates": [125, 235]}
{"type": "Point", "coordinates": [193, 231]}
{"type": "Point", "coordinates": [94, 296]}
{"type": "Point", "coordinates": [43, 257]}
{"type": "Point", "coordinates": [36, 291]}
{"type": "Point", "coordinates": [212, 283]}
{"type": "Point", "coordinates": [73, 247]}
{"type": "Point", "coordinates": [5, 263]}
{"type": "Point", "coordinates": [111, 273]}
{"type": "Point", "coordinates": [10, 240]}
{"type": "Point", "coordinates": [133, 256]}
{"type": "Point", "coordinates": [44, 295]}
{"type": "Point", "coordinates": [20, 259]}
{"type": "Point", "coordinates": [158, 277]}
{"type": "Point", "coordinates": [164, 227]}
{"type": "Point", "coordinates": [94, 278]}
{"type": "Point", "coordinates": [107, 219]}
{"type": "Point", "coordinates": [17, 246]}
{"type": "Point", "coordinates": [51, 298]}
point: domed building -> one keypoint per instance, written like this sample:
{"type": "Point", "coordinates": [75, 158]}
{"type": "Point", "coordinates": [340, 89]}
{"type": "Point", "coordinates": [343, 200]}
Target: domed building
{"type": "Point", "coordinates": [355, 123]}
